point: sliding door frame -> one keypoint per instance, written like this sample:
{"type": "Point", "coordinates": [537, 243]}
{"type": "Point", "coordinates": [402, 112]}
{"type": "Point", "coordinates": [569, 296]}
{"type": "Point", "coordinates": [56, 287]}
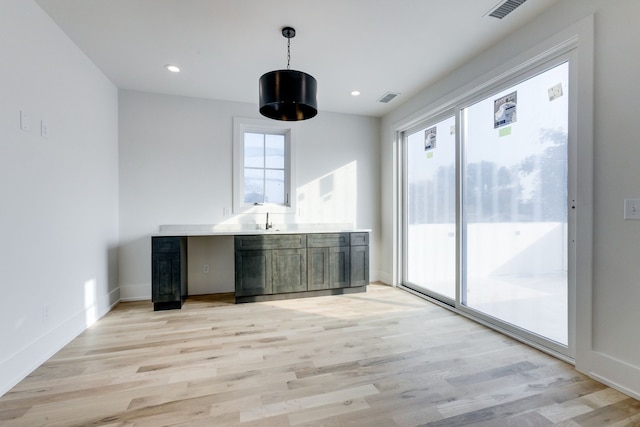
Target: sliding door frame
{"type": "Point", "coordinates": [557, 49]}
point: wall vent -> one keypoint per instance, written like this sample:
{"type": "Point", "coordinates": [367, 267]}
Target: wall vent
{"type": "Point", "coordinates": [388, 97]}
{"type": "Point", "coordinates": [505, 8]}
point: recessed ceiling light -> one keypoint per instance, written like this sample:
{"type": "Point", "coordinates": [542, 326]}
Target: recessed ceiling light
{"type": "Point", "coordinates": [355, 93]}
{"type": "Point", "coordinates": [172, 68]}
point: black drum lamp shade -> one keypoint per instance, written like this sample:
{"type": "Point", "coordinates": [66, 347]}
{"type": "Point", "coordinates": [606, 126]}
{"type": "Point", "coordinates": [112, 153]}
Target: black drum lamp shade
{"type": "Point", "coordinates": [288, 95]}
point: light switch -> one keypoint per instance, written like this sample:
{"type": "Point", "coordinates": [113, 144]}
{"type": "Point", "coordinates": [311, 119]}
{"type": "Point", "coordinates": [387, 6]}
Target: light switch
{"type": "Point", "coordinates": [44, 129]}
{"type": "Point", "coordinates": [632, 209]}
{"type": "Point", "coordinates": [24, 121]}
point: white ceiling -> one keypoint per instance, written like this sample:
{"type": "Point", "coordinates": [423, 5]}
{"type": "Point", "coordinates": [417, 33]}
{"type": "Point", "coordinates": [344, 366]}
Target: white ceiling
{"type": "Point", "coordinates": [224, 46]}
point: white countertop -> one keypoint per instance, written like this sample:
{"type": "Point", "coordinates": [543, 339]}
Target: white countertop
{"type": "Point", "coordinates": [249, 229]}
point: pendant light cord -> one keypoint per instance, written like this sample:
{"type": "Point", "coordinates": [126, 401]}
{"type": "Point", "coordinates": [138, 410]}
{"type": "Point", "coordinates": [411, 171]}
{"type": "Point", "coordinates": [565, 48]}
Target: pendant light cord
{"type": "Point", "coordinates": [288, 53]}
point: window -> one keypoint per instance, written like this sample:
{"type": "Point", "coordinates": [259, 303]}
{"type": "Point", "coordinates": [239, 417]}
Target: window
{"type": "Point", "coordinates": [263, 166]}
{"type": "Point", "coordinates": [264, 171]}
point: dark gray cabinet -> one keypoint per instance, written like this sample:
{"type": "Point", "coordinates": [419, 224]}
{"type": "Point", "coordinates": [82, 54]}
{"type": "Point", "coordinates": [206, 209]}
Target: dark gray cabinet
{"type": "Point", "coordinates": [289, 270]}
{"type": "Point", "coordinates": [318, 259]}
{"type": "Point", "coordinates": [359, 254]}
{"type": "Point", "coordinates": [328, 256]}
{"type": "Point", "coordinates": [294, 265]}
{"type": "Point", "coordinates": [339, 267]}
{"type": "Point", "coordinates": [359, 266]}
{"type": "Point", "coordinates": [268, 264]}
{"type": "Point", "coordinates": [253, 272]}
{"type": "Point", "coordinates": [168, 272]}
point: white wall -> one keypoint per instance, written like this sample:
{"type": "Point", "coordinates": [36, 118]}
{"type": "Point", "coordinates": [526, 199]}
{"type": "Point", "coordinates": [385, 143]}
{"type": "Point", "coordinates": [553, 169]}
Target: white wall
{"type": "Point", "coordinates": [613, 351]}
{"type": "Point", "coordinates": [59, 195]}
{"type": "Point", "coordinates": [176, 168]}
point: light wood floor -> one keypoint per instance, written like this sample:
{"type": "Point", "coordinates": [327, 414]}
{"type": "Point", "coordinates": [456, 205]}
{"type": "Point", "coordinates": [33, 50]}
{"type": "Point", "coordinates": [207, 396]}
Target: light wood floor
{"type": "Point", "coordinates": [382, 358]}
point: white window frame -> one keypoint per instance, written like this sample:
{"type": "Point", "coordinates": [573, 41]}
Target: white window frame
{"type": "Point", "coordinates": [241, 126]}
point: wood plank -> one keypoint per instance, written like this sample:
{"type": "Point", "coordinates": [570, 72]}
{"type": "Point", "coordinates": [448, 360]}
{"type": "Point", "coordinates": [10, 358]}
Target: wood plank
{"type": "Point", "coordinates": [380, 358]}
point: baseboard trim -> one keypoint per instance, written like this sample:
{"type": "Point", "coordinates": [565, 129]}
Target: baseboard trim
{"type": "Point", "coordinates": [131, 299]}
{"type": "Point", "coordinates": [615, 373]}
{"type": "Point", "coordinates": [141, 292]}
{"type": "Point", "coordinates": [15, 368]}
{"type": "Point", "coordinates": [384, 277]}
{"type": "Point", "coordinates": [114, 297]}
{"type": "Point", "coordinates": [20, 364]}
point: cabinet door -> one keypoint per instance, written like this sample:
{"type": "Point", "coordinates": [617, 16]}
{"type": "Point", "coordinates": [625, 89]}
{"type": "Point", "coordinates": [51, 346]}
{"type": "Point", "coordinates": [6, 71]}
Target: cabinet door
{"type": "Point", "coordinates": [168, 272]}
{"type": "Point", "coordinates": [339, 267]}
{"type": "Point", "coordinates": [318, 268]}
{"type": "Point", "coordinates": [165, 277]}
{"type": "Point", "coordinates": [289, 270]}
{"type": "Point", "coordinates": [359, 266]}
{"type": "Point", "coordinates": [253, 273]}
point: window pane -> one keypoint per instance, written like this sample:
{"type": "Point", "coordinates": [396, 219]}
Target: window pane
{"type": "Point", "coordinates": [274, 186]}
{"type": "Point", "coordinates": [254, 186]}
{"type": "Point", "coordinates": [274, 149]}
{"type": "Point", "coordinates": [253, 150]}
{"type": "Point", "coordinates": [431, 204]}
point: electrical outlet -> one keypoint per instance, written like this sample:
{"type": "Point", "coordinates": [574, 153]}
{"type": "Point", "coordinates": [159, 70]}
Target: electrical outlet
{"type": "Point", "coordinates": [632, 209]}
{"type": "Point", "coordinates": [45, 312]}
{"type": "Point", "coordinates": [205, 268]}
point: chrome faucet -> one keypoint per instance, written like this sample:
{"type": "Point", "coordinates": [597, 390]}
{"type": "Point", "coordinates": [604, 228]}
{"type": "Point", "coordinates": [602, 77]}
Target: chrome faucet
{"type": "Point", "coordinates": [267, 224]}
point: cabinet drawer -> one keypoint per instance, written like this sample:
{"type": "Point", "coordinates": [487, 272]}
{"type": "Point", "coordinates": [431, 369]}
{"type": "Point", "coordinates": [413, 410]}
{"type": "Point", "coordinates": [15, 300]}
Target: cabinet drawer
{"type": "Point", "coordinates": [327, 240]}
{"type": "Point", "coordinates": [280, 241]}
{"type": "Point", "coordinates": [359, 239]}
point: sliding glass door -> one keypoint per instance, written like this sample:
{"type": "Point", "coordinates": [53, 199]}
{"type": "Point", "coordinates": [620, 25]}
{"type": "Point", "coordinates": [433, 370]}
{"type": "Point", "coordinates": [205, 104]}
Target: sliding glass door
{"type": "Point", "coordinates": [486, 211]}
{"type": "Point", "coordinates": [430, 224]}
{"type": "Point", "coordinates": [515, 205]}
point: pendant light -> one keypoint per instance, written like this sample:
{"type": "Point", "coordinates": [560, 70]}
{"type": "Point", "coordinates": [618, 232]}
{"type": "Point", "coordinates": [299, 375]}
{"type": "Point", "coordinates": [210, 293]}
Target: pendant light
{"type": "Point", "coordinates": [288, 95]}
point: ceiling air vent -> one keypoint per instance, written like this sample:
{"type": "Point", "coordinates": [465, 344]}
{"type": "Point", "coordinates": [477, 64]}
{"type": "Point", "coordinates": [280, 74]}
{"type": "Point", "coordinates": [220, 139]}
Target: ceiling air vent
{"type": "Point", "coordinates": [388, 97]}
{"type": "Point", "coordinates": [505, 8]}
